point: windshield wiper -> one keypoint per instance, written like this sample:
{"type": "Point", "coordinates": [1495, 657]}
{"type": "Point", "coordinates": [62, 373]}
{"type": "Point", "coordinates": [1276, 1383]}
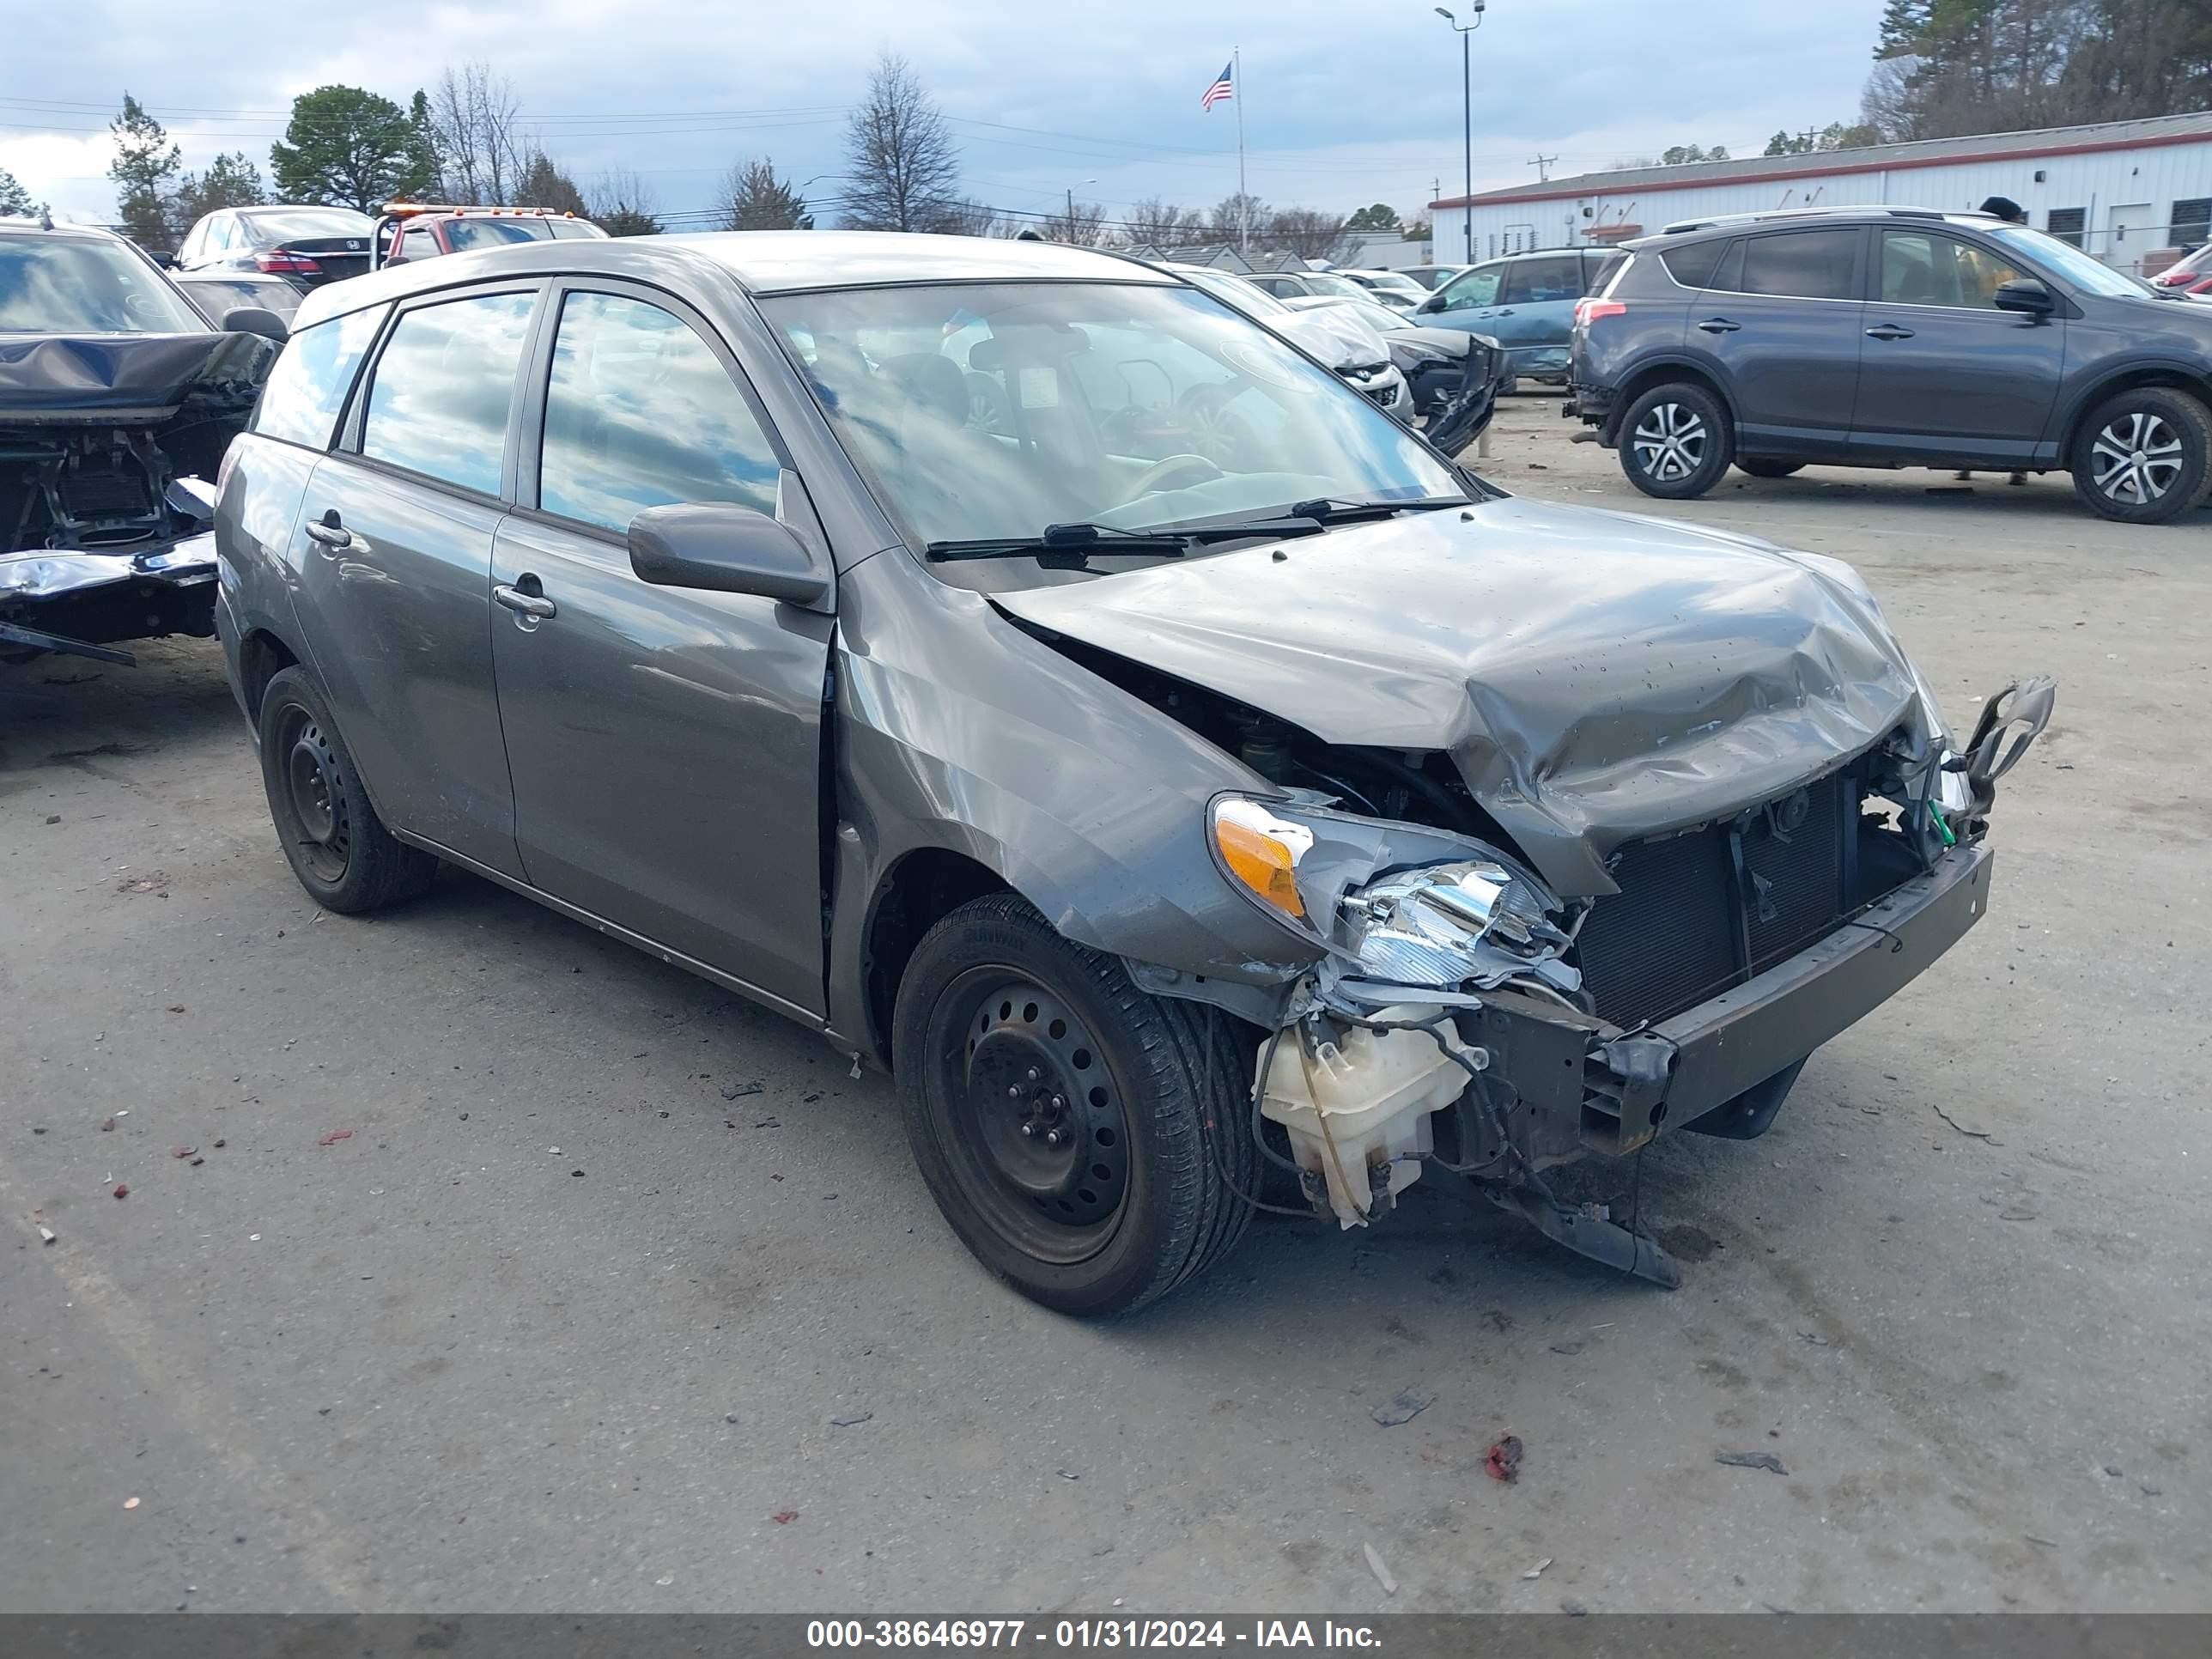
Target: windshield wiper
{"type": "Point", "coordinates": [1072, 546]}
{"type": "Point", "coordinates": [1329, 509]}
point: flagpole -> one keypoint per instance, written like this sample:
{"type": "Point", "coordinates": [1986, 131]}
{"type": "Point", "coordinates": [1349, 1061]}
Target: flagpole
{"type": "Point", "coordinates": [1244, 198]}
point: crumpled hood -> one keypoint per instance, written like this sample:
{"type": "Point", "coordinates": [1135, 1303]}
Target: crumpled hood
{"type": "Point", "coordinates": [1596, 677]}
{"type": "Point", "coordinates": [61, 376]}
{"type": "Point", "coordinates": [1341, 340]}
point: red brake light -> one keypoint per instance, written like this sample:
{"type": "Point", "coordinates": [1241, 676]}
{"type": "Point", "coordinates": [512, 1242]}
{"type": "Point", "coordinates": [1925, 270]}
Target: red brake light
{"type": "Point", "coordinates": [1589, 311]}
{"type": "Point", "coordinates": [281, 263]}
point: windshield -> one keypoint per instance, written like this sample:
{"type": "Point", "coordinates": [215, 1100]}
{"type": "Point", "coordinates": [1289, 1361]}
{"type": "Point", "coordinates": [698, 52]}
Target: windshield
{"type": "Point", "coordinates": [297, 224]}
{"type": "Point", "coordinates": [1324, 282]}
{"type": "Point", "coordinates": [1375, 315]}
{"type": "Point", "coordinates": [465, 234]}
{"type": "Point", "coordinates": [1231, 290]}
{"type": "Point", "coordinates": [1392, 281]}
{"type": "Point", "coordinates": [65, 286]}
{"type": "Point", "coordinates": [2082, 270]}
{"type": "Point", "coordinates": [995, 409]}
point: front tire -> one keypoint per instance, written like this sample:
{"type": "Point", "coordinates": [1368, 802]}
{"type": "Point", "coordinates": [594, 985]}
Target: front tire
{"type": "Point", "coordinates": [333, 838]}
{"type": "Point", "coordinates": [1084, 1140]}
{"type": "Point", "coordinates": [1676, 441]}
{"type": "Point", "coordinates": [2143, 456]}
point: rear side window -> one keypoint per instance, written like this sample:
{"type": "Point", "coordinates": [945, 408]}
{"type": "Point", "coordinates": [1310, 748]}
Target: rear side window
{"type": "Point", "coordinates": [1602, 267]}
{"type": "Point", "coordinates": [300, 401]}
{"type": "Point", "coordinates": [1536, 281]}
{"type": "Point", "coordinates": [639, 413]}
{"type": "Point", "coordinates": [1803, 265]}
{"type": "Point", "coordinates": [438, 398]}
{"type": "Point", "coordinates": [1692, 266]}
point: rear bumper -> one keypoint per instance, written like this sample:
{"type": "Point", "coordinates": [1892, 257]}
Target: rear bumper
{"type": "Point", "coordinates": [1590, 405]}
{"type": "Point", "coordinates": [1590, 1087]}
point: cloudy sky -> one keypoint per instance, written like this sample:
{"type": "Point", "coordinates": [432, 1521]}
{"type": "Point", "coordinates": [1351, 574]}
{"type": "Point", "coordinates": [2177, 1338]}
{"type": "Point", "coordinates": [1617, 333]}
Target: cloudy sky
{"type": "Point", "coordinates": [1345, 101]}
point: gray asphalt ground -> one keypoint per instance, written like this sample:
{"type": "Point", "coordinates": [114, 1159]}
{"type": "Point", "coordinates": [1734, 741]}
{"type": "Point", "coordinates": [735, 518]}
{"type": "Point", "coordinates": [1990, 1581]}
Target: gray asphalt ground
{"type": "Point", "coordinates": [560, 1325]}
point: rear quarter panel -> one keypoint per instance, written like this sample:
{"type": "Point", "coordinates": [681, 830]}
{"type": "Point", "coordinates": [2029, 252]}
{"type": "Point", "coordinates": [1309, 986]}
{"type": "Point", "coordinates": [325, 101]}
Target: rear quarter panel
{"type": "Point", "coordinates": [256, 539]}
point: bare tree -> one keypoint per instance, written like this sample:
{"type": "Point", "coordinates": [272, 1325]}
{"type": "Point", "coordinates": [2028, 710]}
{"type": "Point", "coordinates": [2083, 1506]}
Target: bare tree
{"type": "Point", "coordinates": [482, 156]}
{"type": "Point", "coordinates": [1234, 214]}
{"type": "Point", "coordinates": [903, 166]}
{"type": "Point", "coordinates": [1080, 224]}
{"type": "Point", "coordinates": [1156, 223]}
{"type": "Point", "coordinates": [753, 197]}
{"type": "Point", "coordinates": [624, 204]}
{"type": "Point", "coordinates": [969, 217]}
{"type": "Point", "coordinates": [1310, 233]}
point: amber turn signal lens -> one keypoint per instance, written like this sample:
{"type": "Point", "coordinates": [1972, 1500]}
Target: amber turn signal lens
{"type": "Point", "coordinates": [1263, 863]}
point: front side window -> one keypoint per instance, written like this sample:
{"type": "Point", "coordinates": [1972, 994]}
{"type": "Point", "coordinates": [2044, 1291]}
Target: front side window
{"type": "Point", "coordinates": [639, 413]}
{"type": "Point", "coordinates": [1918, 269]}
{"type": "Point", "coordinates": [300, 401]}
{"type": "Point", "coordinates": [1548, 277]}
{"type": "Point", "coordinates": [994, 410]}
{"type": "Point", "coordinates": [1802, 265]}
{"type": "Point", "coordinates": [1477, 288]}
{"type": "Point", "coordinates": [2082, 270]}
{"type": "Point", "coordinates": [439, 395]}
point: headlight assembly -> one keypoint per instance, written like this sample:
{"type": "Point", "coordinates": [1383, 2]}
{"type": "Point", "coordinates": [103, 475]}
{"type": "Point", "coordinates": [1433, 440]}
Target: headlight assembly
{"type": "Point", "coordinates": [1397, 904]}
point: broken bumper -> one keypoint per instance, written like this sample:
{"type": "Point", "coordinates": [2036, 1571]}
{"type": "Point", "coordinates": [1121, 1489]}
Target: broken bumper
{"type": "Point", "coordinates": [1584, 1086]}
{"type": "Point", "coordinates": [78, 602]}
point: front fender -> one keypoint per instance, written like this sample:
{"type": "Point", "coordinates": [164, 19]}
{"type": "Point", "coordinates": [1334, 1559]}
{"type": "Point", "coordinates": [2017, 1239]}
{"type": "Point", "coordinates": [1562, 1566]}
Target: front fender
{"type": "Point", "coordinates": [957, 731]}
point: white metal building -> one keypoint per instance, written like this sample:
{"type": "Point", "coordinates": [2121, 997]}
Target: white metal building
{"type": "Point", "coordinates": [2123, 190]}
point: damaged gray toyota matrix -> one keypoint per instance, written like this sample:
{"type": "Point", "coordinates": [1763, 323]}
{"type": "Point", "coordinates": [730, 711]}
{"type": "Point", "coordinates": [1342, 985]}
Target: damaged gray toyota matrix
{"type": "Point", "coordinates": [1022, 670]}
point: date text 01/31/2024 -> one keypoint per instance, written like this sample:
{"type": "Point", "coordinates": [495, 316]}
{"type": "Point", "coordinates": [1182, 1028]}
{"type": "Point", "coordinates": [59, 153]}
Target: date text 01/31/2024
{"type": "Point", "coordinates": [930, 1634]}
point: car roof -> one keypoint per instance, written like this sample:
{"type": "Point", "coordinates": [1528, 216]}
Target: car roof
{"type": "Point", "coordinates": [761, 262]}
{"type": "Point", "coordinates": [74, 233]}
{"type": "Point", "coordinates": [1729, 224]}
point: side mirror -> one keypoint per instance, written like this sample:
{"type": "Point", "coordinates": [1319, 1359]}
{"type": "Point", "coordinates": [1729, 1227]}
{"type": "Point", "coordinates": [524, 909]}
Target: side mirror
{"type": "Point", "coordinates": [724, 547]}
{"type": "Point", "coordinates": [254, 319]}
{"type": "Point", "coordinates": [1434, 302]}
{"type": "Point", "coordinates": [2026, 294]}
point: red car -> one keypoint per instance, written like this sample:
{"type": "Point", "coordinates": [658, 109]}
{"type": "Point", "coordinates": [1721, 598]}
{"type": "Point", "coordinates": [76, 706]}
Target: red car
{"type": "Point", "coordinates": [2191, 274]}
{"type": "Point", "coordinates": [421, 231]}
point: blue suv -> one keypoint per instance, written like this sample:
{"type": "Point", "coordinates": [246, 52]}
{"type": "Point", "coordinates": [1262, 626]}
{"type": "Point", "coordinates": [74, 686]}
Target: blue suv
{"type": "Point", "coordinates": [1525, 303]}
{"type": "Point", "coordinates": [1894, 337]}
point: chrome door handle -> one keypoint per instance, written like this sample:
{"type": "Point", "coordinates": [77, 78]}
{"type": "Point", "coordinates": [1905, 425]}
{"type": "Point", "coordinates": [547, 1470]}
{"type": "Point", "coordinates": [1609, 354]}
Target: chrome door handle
{"type": "Point", "coordinates": [1889, 331]}
{"type": "Point", "coordinates": [329, 532]}
{"type": "Point", "coordinates": [1719, 325]}
{"type": "Point", "coordinates": [528, 604]}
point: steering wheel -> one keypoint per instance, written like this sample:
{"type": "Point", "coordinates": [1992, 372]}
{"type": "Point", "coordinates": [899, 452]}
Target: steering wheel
{"type": "Point", "coordinates": [1156, 476]}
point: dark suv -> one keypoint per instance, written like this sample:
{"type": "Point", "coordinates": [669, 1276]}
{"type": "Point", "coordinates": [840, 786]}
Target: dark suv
{"type": "Point", "coordinates": [1894, 337]}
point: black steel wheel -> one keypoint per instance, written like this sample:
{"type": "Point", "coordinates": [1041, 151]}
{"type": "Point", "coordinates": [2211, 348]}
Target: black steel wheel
{"type": "Point", "coordinates": [1084, 1140]}
{"type": "Point", "coordinates": [1031, 1120]}
{"type": "Point", "coordinates": [335, 843]}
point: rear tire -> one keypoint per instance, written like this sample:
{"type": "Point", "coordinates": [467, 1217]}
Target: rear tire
{"type": "Point", "coordinates": [1084, 1140]}
{"type": "Point", "coordinates": [1763, 466]}
{"type": "Point", "coordinates": [330, 834]}
{"type": "Point", "coordinates": [2143, 456]}
{"type": "Point", "coordinates": [1676, 440]}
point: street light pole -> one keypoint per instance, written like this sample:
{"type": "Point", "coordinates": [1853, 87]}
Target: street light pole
{"type": "Point", "coordinates": [1467, 106]}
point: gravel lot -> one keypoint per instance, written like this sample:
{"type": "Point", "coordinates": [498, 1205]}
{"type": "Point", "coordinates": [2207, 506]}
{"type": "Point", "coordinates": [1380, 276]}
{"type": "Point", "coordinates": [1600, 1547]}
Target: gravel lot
{"type": "Point", "coordinates": [574, 1317]}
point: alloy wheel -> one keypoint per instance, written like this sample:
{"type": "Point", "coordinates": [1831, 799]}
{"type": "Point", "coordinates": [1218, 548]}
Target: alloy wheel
{"type": "Point", "coordinates": [2136, 458]}
{"type": "Point", "coordinates": [1671, 442]}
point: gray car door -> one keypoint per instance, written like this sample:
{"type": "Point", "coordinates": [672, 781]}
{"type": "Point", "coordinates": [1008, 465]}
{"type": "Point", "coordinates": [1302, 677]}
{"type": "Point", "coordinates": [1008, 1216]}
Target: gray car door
{"type": "Point", "coordinates": [1944, 375]}
{"type": "Point", "coordinates": [1779, 328]}
{"type": "Point", "coordinates": [395, 567]}
{"type": "Point", "coordinates": [664, 744]}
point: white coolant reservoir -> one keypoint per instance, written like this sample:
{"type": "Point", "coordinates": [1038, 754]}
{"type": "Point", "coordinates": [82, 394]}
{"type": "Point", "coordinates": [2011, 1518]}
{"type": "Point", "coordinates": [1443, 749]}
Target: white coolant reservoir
{"type": "Point", "coordinates": [1357, 1110]}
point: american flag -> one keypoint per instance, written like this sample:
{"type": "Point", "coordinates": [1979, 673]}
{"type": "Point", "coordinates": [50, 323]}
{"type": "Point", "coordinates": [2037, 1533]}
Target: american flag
{"type": "Point", "coordinates": [1222, 88]}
